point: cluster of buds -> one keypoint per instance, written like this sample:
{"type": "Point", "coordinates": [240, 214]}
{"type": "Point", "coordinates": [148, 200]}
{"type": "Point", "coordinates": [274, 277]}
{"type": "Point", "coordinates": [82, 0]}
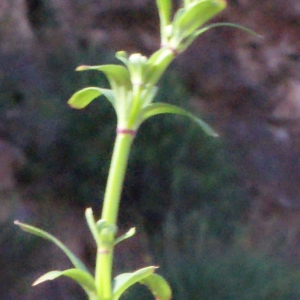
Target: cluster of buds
{"type": "Point", "coordinates": [133, 86]}
{"type": "Point", "coordinates": [178, 33]}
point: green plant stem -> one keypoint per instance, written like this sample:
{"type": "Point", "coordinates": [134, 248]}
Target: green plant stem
{"type": "Point", "coordinates": [116, 177]}
{"type": "Point", "coordinates": [103, 273]}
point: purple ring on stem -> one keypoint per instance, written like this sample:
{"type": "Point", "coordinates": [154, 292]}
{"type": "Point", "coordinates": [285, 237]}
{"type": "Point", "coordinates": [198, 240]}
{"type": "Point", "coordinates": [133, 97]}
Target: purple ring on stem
{"type": "Point", "coordinates": [126, 131]}
{"type": "Point", "coordinates": [173, 50]}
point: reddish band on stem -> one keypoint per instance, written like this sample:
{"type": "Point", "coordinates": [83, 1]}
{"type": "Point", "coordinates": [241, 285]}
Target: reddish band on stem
{"type": "Point", "coordinates": [174, 51]}
{"type": "Point", "coordinates": [126, 131]}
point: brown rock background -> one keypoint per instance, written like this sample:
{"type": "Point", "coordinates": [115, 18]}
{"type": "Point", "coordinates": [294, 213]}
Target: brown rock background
{"type": "Point", "coordinates": [248, 86]}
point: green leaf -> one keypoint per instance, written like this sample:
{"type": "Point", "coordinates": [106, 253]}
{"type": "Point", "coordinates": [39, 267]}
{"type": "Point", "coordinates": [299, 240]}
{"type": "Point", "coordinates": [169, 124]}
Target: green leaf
{"type": "Point", "coordinates": [128, 234]}
{"type": "Point", "coordinates": [123, 281]}
{"type": "Point", "coordinates": [84, 279]}
{"type": "Point", "coordinates": [196, 14]}
{"type": "Point", "coordinates": [85, 96]}
{"type": "Point", "coordinates": [148, 95]}
{"type": "Point", "coordinates": [43, 234]}
{"type": "Point", "coordinates": [164, 10]}
{"type": "Point", "coordinates": [157, 64]}
{"type": "Point", "coordinates": [226, 24]}
{"type": "Point", "coordinates": [161, 56]}
{"type": "Point", "coordinates": [188, 2]}
{"type": "Point", "coordinates": [123, 57]}
{"type": "Point", "coordinates": [116, 75]}
{"type": "Point", "coordinates": [191, 38]}
{"type": "Point", "coordinates": [165, 108]}
{"type": "Point", "coordinates": [92, 225]}
{"type": "Point", "coordinates": [158, 286]}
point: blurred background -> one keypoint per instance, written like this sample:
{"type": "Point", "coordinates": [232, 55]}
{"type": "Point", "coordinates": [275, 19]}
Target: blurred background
{"type": "Point", "coordinates": [221, 217]}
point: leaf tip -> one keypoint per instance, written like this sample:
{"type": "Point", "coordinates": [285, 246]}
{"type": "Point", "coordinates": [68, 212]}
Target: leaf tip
{"type": "Point", "coordinates": [20, 224]}
{"type": "Point", "coordinates": [40, 280]}
{"type": "Point", "coordinates": [81, 68]}
{"type": "Point", "coordinates": [35, 283]}
{"type": "Point", "coordinates": [121, 53]}
{"type": "Point", "coordinates": [89, 210]}
{"type": "Point", "coordinates": [73, 106]}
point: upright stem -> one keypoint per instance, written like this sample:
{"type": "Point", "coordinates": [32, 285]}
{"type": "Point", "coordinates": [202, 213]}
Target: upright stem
{"type": "Point", "coordinates": [103, 273]}
{"type": "Point", "coordinates": [116, 177]}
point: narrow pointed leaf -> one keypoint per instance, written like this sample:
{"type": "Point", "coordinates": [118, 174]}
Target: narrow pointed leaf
{"type": "Point", "coordinates": [191, 38]}
{"type": "Point", "coordinates": [123, 57]}
{"type": "Point", "coordinates": [161, 56]}
{"type": "Point", "coordinates": [128, 234]}
{"type": "Point", "coordinates": [226, 24]}
{"type": "Point", "coordinates": [148, 95]}
{"type": "Point", "coordinates": [123, 281]}
{"type": "Point", "coordinates": [158, 286]}
{"type": "Point", "coordinates": [164, 10]}
{"type": "Point", "coordinates": [196, 14]}
{"type": "Point", "coordinates": [84, 279]}
{"type": "Point", "coordinates": [157, 64]}
{"type": "Point", "coordinates": [92, 225]}
{"type": "Point", "coordinates": [165, 108]}
{"type": "Point", "coordinates": [116, 75]}
{"type": "Point", "coordinates": [178, 15]}
{"type": "Point", "coordinates": [85, 96]}
{"type": "Point", "coordinates": [48, 276]}
{"type": "Point", "coordinates": [87, 68]}
{"type": "Point", "coordinates": [43, 234]}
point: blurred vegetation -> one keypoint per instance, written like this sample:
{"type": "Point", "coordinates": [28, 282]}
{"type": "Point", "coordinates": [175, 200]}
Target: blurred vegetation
{"type": "Point", "coordinates": [214, 271]}
{"type": "Point", "coordinates": [232, 274]}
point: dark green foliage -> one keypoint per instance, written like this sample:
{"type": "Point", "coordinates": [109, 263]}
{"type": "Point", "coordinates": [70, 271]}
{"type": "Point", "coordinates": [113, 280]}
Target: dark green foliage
{"type": "Point", "coordinates": [200, 265]}
{"type": "Point", "coordinates": [232, 275]}
{"type": "Point", "coordinates": [219, 272]}
{"type": "Point", "coordinates": [206, 179]}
